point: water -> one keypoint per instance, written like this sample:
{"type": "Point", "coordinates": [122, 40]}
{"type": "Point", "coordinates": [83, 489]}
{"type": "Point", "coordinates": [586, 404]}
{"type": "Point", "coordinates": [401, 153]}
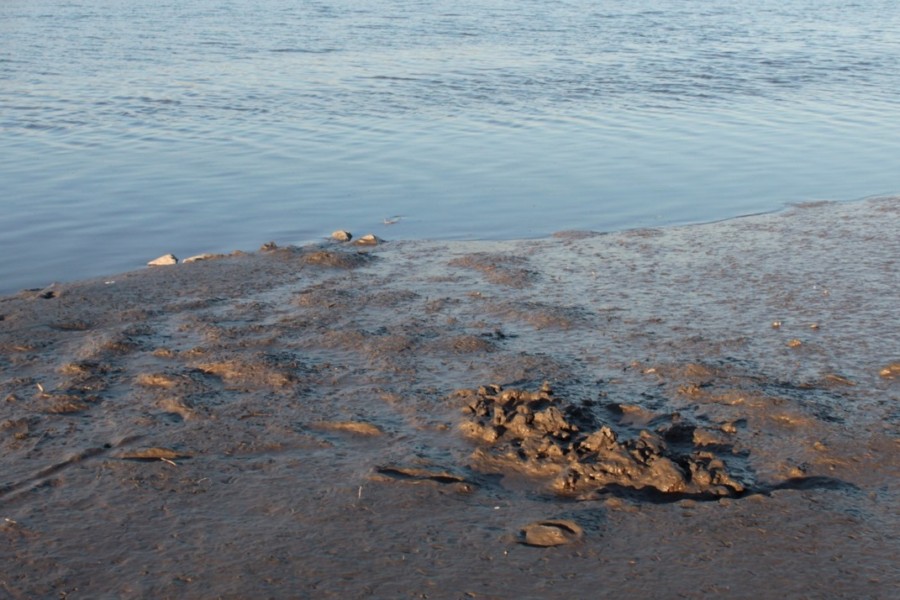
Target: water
{"type": "Point", "coordinates": [130, 129]}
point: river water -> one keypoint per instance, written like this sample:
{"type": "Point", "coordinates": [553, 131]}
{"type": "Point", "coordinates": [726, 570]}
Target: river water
{"type": "Point", "coordinates": [131, 129]}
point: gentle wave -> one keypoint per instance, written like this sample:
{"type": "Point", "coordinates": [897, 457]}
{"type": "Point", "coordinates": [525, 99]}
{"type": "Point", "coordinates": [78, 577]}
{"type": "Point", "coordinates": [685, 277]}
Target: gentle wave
{"type": "Point", "coordinates": [131, 130]}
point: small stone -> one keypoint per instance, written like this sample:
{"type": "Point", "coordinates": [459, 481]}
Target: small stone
{"type": "Point", "coordinates": [342, 236]}
{"type": "Point", "coordinates": [164, 260]}
{"type": "Point", "coordinates": [794, 343]}
{"type": "Point", "coordinates": [268, 247]}
{"type": "Point", "coordinates": [367, 240]}
{"type": "Point", "coordinates": [776, 324]}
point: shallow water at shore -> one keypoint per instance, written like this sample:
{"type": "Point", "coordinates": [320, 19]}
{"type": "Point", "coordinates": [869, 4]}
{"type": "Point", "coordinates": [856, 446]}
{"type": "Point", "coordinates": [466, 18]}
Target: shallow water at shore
{"type": "Point", "coordinates": [129, 131]}
{"type": "Point", "coordinates": [688, 411]}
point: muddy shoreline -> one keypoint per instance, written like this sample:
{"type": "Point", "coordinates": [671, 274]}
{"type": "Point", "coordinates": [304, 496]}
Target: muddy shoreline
{"type": "Point", "coordinates": [677, 413]}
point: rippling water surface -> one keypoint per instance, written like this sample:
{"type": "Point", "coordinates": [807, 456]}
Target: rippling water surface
{"type": "Point", "coordinates": [129, 129]}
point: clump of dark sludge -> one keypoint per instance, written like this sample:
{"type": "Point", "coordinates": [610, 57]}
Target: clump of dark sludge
{"type": "Point", "coordinates": [536, 434]}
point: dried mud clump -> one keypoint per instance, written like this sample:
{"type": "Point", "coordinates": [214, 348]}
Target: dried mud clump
{"type": "Point", "coordinates": [533, 433]}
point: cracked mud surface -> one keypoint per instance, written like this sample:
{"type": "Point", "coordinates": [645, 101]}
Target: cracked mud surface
{"type": "Point", "coordinates": [682, 412]}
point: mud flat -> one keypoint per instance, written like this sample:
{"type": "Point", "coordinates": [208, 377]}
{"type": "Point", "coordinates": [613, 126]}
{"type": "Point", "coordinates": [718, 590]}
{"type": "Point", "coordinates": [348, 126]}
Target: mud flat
{"type": "Point", "coordinates": [665, 413]}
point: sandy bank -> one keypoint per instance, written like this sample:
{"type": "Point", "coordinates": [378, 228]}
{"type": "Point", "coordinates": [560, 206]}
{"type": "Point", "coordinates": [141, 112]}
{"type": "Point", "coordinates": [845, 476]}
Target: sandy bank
{"type": "Point", "coordinates": [682, 412]}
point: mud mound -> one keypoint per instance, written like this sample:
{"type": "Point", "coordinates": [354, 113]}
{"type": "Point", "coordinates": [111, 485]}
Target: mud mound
{"type": "Point", "coordinates": [534, 433]}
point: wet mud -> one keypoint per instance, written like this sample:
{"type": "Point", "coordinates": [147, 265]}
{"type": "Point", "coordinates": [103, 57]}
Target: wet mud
{"type": "Point", "coordinates": [672, 413]}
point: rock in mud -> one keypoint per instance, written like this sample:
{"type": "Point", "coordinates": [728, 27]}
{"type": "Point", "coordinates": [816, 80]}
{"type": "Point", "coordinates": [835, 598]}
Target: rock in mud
{"type": "Point", "coordinates": [368, 240]}
{"type": "Point", "coordinates": [164, 260]}
{"type": "Point", "coordinates": [199, 257]}
{"type": "Point", "coordinates": [545, 534]}
{"type": "Point", "coordinates": [535, 434]}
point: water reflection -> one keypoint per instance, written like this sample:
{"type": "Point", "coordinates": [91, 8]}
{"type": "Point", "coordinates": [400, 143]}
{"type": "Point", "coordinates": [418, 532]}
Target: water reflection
{"type": "Point", "coordinates": [128, 131]}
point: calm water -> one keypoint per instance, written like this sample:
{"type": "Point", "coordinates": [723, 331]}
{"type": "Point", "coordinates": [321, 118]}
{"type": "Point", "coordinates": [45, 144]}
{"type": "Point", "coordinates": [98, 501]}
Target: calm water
{"type": "Point", "coordinates": [129, 128]}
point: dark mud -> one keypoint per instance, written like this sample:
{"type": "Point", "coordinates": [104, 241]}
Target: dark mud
{"type": "Point", "coordinates": [675, 413]}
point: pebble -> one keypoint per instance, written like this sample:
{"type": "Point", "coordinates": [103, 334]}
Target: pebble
{"type": "Point", "coordinates": [342, 236]}
{"type": "Point", "coordinates": [165, 259]}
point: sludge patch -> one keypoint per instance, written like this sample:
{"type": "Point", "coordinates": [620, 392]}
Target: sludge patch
{"type": "Point", "coordinates": [535, 434]}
